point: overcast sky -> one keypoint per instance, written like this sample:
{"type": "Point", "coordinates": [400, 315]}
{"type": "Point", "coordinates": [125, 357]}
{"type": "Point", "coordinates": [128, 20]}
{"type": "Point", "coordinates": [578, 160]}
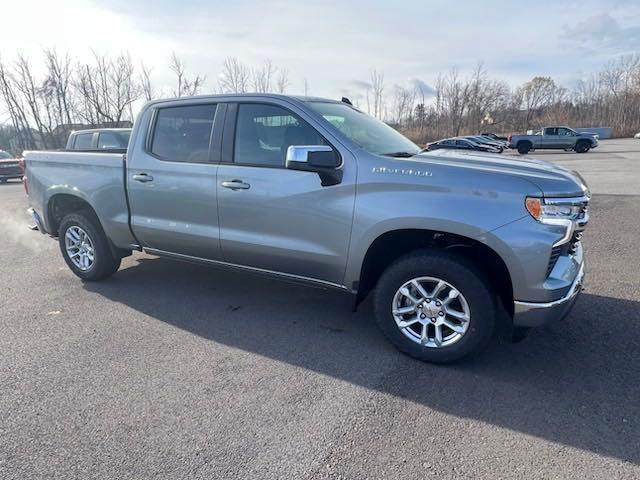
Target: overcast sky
{"type": "Point", "coordinates": [335, 44]}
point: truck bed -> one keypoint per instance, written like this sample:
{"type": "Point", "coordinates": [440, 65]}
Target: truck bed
{"type": "Point", "coordinates": [98, 178]}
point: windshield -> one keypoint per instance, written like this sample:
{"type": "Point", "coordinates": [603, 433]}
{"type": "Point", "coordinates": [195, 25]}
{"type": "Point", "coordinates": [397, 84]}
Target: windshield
{"type": "Point", "coordinates": [367, 132]}
{"type": "Point", "coordinates": [5, 155]}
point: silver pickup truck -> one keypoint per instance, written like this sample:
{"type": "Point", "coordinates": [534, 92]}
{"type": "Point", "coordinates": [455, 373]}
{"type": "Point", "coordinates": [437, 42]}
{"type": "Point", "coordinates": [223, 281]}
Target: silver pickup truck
{"type": "Point", "coordinates": [559, 138]}
{"type": "Point", "coordinates": [454, 245]}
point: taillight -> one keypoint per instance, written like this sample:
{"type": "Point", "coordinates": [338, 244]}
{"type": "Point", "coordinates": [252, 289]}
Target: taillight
{"type": "Point", "coordinates": [23, 170]}
{"type": "Point", "coordinates": [509, 138]}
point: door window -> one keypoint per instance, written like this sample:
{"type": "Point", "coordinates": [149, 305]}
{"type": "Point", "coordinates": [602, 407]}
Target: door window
{"type": "Point", "coordinates": [265, 132]}
{"type": "Point", "coordinates": [182, 134]}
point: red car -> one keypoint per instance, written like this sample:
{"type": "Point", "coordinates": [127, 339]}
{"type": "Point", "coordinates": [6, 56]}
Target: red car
{"type": "Point", "coordinates": [9, 167]}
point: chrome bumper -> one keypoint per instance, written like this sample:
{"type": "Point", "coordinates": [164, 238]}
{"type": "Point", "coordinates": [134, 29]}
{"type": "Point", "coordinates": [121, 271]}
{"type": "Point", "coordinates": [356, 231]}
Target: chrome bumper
{"type": "Point", "coordinates": [530, 314]}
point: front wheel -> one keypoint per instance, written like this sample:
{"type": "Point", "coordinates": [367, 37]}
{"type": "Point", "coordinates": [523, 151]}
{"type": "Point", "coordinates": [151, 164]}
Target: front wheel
{"type": "Point", "coordinates": [582, 147]}
{"type": "Point", "coordinates": [435, 306]}
{"type": "Point", "coordinates": [85, 247]}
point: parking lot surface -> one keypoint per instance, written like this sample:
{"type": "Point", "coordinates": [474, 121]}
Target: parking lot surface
{"type": "Point", "coordinates": [171, 370]}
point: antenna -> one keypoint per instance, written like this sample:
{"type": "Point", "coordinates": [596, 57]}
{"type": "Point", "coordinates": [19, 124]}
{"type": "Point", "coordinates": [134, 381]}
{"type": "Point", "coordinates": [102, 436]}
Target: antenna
{"type": "Point", "coordinates": [347, 101]}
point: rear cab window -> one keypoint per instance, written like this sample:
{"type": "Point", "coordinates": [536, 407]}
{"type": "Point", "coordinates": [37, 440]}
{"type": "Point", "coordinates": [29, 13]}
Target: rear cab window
{"type": "Point", "coordinates": [83, 141]}
{"type": "Point", "coordinates": [112, 140]}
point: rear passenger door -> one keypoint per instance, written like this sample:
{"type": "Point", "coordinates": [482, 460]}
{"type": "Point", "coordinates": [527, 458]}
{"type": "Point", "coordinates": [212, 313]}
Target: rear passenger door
{"type": "Point", "coordinates": [276, 219]}
{"type": "Point", "coordinates": [171, 179]}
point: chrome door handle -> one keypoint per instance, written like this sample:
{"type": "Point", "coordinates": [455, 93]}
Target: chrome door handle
{"type": "Point", "coordinates": [236, 185]}
{"type": "Point", "coordinates": [143, 177]}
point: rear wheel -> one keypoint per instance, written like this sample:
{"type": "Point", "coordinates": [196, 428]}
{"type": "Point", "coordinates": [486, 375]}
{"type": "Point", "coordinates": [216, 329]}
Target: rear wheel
{"type": "Point", "coordinates": [524, 147]}
{"type": "Point", "coordinates": [85, 247]}
{"type": "Point", "coordinates": [434, 306]}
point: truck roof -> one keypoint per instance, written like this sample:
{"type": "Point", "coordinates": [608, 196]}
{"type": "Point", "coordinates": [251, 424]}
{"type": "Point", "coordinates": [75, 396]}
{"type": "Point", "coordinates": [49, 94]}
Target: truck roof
{"type": "Point", "coordinates": [91, 130]}
{"type": "Point", "coordinates": [232, 96]}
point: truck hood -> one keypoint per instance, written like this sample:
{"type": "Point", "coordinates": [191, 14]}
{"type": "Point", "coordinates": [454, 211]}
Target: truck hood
{"type": "Point", "coordinates": [553, 180]}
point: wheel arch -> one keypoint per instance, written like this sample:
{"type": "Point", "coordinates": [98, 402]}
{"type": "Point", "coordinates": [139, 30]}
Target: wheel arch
{"type": "Point", "coordinates": [391, 245]}
{"type": "Point", "coordinates": [61, 204]}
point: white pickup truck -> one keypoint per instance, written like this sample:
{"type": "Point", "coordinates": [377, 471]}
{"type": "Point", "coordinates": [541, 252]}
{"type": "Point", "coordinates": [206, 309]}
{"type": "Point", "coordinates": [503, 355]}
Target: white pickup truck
{"type": "Point", "coordinates": [561, 138]}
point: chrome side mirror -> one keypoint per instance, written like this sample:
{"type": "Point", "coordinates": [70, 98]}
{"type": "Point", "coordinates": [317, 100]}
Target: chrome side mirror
{"type": "Point", "coordinates": [322, 159]}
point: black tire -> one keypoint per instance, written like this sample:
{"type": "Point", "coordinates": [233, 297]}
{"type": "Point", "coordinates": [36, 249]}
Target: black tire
{"type": "Point", "coordinates": [105, 263]}
{"type": "Point", "coordinates": [3, 180]}
{"type": "Point", "coordinates": [524, 147]}
{"type": "Point", "coordinates": [582, 147]}
{"type": "Point", "coordinates": [458, 272]}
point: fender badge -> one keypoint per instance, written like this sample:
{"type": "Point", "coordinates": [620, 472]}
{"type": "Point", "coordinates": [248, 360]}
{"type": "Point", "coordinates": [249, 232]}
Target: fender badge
{"type": "Point", "coordinates": [402, 171]}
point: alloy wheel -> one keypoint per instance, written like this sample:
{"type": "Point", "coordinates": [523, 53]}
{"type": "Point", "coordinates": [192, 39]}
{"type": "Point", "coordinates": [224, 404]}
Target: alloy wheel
{"type": "Point", "coordinates": [79, 248]}
{"type": "Point", "coordinates": [431, 312]}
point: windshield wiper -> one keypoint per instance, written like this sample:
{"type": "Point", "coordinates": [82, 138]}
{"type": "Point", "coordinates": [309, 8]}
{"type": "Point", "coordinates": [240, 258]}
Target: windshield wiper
{"type": "Point", "coordinates": [399, 154]}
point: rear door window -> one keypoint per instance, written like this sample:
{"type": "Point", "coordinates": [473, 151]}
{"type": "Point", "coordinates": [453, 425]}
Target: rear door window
{"type": "Point", "coordinates": [183, 134]}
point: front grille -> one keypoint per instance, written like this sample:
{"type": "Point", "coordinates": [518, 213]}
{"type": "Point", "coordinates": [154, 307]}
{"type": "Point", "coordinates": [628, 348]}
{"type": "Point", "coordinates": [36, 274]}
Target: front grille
{"type": "Point", "coordinates": [570, 247]}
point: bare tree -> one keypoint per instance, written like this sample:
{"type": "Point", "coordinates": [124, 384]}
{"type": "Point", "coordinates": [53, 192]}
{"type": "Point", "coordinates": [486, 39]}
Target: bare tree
{"type": "Point", "coordinates": [185, 86]}
{"type": "Point", "coordinates": [377, 87]}
{"type": "Point", "coordinates": [283, 81]}
{"type": "Point", "coordinates": [16, 110]}
{"type": "Point", "coordinates": [234, 77]}
{"type": "Point", "coordinates": [31, 93]}
{"type": "Point", "coordinates": [58, 84]}
{"type": "Point", "coordinates": [107, 89]}
{"type": "Point", "coordinates": [403, 102]}
{"type": "Point", "coordinates": [262, 78]}
{"type": "Point", "coordinates": [536, 94]}
{"type": "Point", "coordinates": [148, 92]}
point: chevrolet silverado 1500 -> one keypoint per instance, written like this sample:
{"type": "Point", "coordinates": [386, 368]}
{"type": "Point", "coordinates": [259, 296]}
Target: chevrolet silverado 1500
{"type": "Point", "coordinates": [560, 138]}
{"type": "Point", "coordinates": [316, 191]}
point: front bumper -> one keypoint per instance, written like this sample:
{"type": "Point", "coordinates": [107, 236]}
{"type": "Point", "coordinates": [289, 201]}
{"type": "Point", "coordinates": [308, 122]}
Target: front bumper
{"type": "Point", "coordinates": [533, 314]}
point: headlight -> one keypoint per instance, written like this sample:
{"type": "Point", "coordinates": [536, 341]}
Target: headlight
{"type": "Point", "coordinates": [542, 209]}
{"type": "Point", "coordinates": [570, 213]}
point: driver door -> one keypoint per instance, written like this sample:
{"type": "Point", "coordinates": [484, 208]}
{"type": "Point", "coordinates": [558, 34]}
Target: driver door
{"type": "Point", "coordinates": [276, 219]}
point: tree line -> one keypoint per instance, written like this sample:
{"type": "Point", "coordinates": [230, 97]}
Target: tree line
{"type": "Point", "coordinates": [106, 90]}
{"type": "Point", "coordinates": [478, 103]}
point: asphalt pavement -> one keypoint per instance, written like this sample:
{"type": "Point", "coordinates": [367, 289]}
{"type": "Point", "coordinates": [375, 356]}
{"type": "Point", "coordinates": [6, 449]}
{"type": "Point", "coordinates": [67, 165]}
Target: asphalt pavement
{"type": "Point", "coordinates": [171, 370]}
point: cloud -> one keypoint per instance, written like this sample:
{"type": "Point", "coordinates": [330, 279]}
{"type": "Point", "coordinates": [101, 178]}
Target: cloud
{"type": "Point", "coordinates": [602, 33]}
{"type": "Point", "coordinates": [361, 84]}
{"type": "Point", "coordinates": [422, 87]}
